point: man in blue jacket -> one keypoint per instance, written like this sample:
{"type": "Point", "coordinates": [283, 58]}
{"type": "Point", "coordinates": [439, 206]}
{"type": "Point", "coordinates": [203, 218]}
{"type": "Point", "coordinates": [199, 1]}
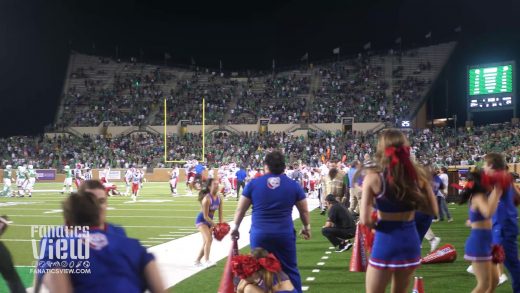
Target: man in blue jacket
{"type": "Point", "coordinates": [241, 179]}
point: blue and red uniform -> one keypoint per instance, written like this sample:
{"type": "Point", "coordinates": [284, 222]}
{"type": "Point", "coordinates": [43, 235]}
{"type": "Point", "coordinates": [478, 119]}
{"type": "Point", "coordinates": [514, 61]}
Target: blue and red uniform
{"type": "Point", "coordinates": [116, 263]}
{"type": "Point", "coordinates": [281, 277]}
{"type": "Point", "coordinates": [273, 198]}
{"type": "Point", "coordinates": [478, 244]}
{"type": "Point", "coordinates": [505, 233]}
{"type": "Point", "coordinates": [213, 206]}
{"type": "Point", "coordinates": [396, 243]}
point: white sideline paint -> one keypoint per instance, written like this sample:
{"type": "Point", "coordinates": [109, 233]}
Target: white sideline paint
{"type": "Point", "coordinates": [310, 279]}
{"type": "Point", "coordinates": [183, 228]}
{"type": "Point", "coordinates": [305, 288]}
{"type": "Point", "coordinates": [315, 271]}
{"type": "Point", "coordinates": [175, 258]}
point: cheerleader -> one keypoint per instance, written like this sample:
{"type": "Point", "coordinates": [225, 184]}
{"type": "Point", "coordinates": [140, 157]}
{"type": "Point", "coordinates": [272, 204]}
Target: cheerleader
{"type": "Point", "coordinates": [263, 274]}
{"type": "Point", "coordinates": [398, 188]}
{"type": "Point", "coordinates": [210, 202]}
{"type": "Point", "coordinates": [479, 243]}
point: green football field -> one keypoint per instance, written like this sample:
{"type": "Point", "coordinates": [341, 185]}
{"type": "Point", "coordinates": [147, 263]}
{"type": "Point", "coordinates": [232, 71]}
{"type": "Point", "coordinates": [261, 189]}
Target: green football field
{"type": "Point", "coordinates": [157, 215]}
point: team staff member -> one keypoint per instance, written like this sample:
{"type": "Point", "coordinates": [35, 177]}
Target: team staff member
{"type": "Point", "coordinates": [340, 225]}
{"type": "Point", "coordinates": [354, 192]}
{"type": "Point", "coordinates": [333, 182]}
{"type": "Point", "coordinates": [241, 179]}
{"type": "Point", "coordinates": [505, 220]}
{"type": "Point", "coordinates": [273, 196]}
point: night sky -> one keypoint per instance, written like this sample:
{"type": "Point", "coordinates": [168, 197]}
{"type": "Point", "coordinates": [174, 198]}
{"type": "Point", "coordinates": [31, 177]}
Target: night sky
{"type": "Point", "coordinates": [36, 36]}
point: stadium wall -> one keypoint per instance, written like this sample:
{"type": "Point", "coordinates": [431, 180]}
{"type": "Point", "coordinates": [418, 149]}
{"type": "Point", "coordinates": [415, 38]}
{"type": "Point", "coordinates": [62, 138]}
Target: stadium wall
{"type": "Point", "coordinates": [157, 175]}
{"type": "Point", "coordinates": [161, 174]}
{"type": "Point", "coordinates": [174, 129]}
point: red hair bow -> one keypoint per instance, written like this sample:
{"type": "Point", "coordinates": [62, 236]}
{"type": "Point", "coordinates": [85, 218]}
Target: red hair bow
{"type": "Point", "coordinates": [400, 155]}
{"type": "Point", "coordinates": [270, 263]}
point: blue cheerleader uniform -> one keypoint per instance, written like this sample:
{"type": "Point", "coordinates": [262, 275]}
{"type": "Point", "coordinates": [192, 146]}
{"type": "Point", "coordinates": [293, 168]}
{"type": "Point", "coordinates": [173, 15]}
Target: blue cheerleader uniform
{"type": "Point", "coordinates": [396, 244]}
{"type": "Point", "coordinates": [281, 277]}
{"type": "Point", "coordinates": [213, 206]}
{"type": "Point", "coordinates": [478, 244]}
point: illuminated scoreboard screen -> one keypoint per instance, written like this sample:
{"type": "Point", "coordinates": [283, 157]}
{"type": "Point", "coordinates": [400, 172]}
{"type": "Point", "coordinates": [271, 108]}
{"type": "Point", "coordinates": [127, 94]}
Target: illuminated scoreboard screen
{"type": "Point", "coordinates": [491, 87]}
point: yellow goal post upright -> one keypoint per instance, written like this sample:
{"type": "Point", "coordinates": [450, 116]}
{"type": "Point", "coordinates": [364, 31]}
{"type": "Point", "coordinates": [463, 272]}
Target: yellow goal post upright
{"type": "Point", "coordinates": [166, 133]}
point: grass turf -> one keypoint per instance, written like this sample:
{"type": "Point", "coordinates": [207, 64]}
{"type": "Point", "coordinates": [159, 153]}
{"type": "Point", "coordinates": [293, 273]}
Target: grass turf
{"type": "Point", "coordinates": [334, 275]}
{"type": "Point", "coordinates": [150, 219]}
{"type": "Point", "coordinates": [146, 220]}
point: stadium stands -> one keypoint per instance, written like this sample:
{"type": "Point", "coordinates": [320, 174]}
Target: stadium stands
{"type": "Point", "coordinates": [370, 87]}
{"type": "Point", "coordinates": [442, 146]}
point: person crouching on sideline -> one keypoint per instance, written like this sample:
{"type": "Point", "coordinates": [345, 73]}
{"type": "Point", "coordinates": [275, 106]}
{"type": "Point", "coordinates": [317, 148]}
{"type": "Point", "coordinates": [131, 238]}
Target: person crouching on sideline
{"type": "Point", "coordinates": [340, 226]}
{"type": "Point", "coordinates": [273, 196]}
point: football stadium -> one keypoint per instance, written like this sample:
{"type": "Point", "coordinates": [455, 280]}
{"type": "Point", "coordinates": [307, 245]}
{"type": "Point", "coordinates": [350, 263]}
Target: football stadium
{"type": "Point", "coordinates": [277, 146]}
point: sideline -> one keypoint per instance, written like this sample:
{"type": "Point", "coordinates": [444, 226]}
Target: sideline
{"type": "Point", "coordinates": [175, 258]}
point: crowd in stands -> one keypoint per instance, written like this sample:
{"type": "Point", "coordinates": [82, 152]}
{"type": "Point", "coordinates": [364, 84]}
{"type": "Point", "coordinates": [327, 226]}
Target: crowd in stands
{"type": "Point", "coordinates": [132, 94]}
{"type": "Point", "coordinates": [127, 100]}
{"type": "Point", "coordinates": [278, 100]}
{"type": "Point", "coordinates": [352, 84]}
{"type": "Point", "coordinates": [441, 146]}
{"type": "Point", "coordinates": [185, 101]}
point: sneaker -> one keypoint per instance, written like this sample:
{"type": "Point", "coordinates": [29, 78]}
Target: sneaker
{"type": "Point", "coordinates": [450, 220]}
{"type": "Point", "coordinates": [197, 263]}
{"type": "Point", "coordinates": [208, 264]}
{"type": "Point", "coordinates": [435, 220]}
{"type": "Point", "coordinates": [470, 270]}
{"type": "Point", "coordinates": [502, 279]}
{"type": "Point", "coordinates": [344, 247]}
{"type": "Point", "coordinates": [434, 243]}
{"type": "Point", "coordinates": [341, 248]}
{"type": "Point", "coordinates": [322, 212]}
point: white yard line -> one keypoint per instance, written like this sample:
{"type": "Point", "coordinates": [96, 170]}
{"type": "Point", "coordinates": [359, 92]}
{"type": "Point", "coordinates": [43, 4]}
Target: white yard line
{"type": "Point", "coordinates": [175, 258]}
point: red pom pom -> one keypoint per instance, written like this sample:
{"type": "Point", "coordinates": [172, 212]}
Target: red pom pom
{"type": "Point", "coordinates": [498, 254]}
{"type": "Point", "coordinates": [244, 266]}
{"type": "Point", "coordinates": [221, 230]}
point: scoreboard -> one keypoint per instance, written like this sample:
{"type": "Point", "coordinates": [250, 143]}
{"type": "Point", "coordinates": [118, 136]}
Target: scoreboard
{"type": "Point", "coordinates": [491, 80]}
{"type": "Point", "coordinates": [491, 87]}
